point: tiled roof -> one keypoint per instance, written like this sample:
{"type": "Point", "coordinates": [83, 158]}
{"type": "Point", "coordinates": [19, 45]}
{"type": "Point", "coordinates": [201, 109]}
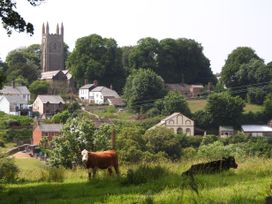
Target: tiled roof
{"type": "Point", "coordinates": [117, 101]}
{"type": "Point", "coordinates": [14, 90]}
{"type": "Point", "coordinates": [15, 99]}
{"type": "Point", "coordinates": [54, 99]}
{"type": "Point", "coordinates": [106, 91]}
{"type": "Point", "coordinates": [50, 127]}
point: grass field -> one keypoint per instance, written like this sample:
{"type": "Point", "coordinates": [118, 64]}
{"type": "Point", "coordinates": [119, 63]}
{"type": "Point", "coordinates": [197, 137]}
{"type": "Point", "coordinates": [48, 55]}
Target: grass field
{"type": "Point", "coordinates": [196, 105]}
{"type": "Point", "coordinates": [250, 183]}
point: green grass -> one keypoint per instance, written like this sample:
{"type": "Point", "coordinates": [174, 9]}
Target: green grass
{"type": "Point", "coordinates": [247, 184]}
{"type": "Point", "coordinates": [196, 105]}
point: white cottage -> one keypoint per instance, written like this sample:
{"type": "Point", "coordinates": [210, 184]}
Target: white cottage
{"type": "Point", "coordinates": [21, 91]}
{"type": "Point", "coordinates": [12, 105]}
{"type": "Point", "coordinates": [178, 122]}
{"type": "Point", "coordinates": [84, 92]}
{"type": "Point", "coordinates": [101, 94]}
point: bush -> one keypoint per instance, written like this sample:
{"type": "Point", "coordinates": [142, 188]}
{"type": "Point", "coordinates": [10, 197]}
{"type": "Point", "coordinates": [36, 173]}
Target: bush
{"type": "Point", "coordinates": [188, 153]}
{"type": "Point", "coordinates": [8, 170]}
{"type": "Point", "coordinates": [56, 174]}
{"type": "Point", "coordinates": [144, 174]}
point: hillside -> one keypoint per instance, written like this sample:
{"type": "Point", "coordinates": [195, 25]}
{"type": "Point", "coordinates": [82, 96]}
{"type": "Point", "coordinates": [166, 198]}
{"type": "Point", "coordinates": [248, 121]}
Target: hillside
{"type": "Point", "coordinates": [247, 184]}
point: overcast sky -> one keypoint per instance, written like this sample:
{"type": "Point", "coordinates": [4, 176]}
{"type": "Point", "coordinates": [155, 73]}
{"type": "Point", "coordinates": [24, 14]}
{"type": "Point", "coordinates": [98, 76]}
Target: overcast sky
{"type": "Point", "coordinates": [218, 25]}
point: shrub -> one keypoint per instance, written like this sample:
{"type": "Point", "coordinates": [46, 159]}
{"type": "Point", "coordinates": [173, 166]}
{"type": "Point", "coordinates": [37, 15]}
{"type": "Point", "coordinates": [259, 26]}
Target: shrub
{"type": "Point", "coordinates": [144, 174]}
{"type": "Point", "coordinates": [56, 174]}
{"type": "Point", "coordinates": [8, 170]}
{"type": "Point", "coordinates": [188, 153]}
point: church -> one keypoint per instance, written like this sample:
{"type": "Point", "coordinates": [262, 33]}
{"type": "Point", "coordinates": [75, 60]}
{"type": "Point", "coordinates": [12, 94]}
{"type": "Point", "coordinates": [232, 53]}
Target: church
{"type": "Point", "coordinates": [52, 61]}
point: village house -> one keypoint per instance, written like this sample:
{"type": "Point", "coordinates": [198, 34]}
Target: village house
{"type": "Point", "coordinates": [48, 105]}
{"type": "Point", "coordinates": [226, 131]}
{"type": "Point", "coordinates": [45, 130]}
{"type": "Point", "coordinates": [101, 94]}
{"type": "Point", "coordinates": [12, 104]}
{"type": "Point", "coordinates": [178, 122]}
{"type": "Point", "coordinates": [85, 93]}
{"type": "Point", "coordinates": [187, 90]}
{"type": "Point", "coordinates": [257, 130]}
{"type": "Point", "coordinates": [13, 90]}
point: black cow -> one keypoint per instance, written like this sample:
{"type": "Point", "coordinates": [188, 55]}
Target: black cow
{"type": "Point", "coordinates": [212, 167]}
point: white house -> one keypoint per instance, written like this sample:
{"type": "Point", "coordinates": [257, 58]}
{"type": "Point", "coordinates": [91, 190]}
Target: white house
{"type": "Point", "coordinates": [12, 104]}
{"type": "Point", "coordinates": [178, 122]}
{"type": "Point", "coordinates": [101, 94]}
{"type": "Point", "coordinates": [21, 91]}
{"type": "Point", "coordinates": [84, 92]}
{"type": "Point", "coordinates": [257, 130]}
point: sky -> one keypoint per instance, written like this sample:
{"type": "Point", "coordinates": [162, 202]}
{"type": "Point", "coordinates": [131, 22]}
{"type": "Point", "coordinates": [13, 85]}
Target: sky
{"type": "Point", "coordinates": [219, 26]}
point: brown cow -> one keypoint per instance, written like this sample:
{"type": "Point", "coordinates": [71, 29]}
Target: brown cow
{"type": "Point", "coordinates": [100, 160]}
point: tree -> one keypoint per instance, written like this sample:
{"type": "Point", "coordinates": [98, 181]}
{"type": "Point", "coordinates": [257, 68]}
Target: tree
{"type": "Point", "coordinates": [11, 19]}
{"type": "Point", "coordinates": [224, 109]}
{"type": "Point", "coordinates": [238, 57]}
{"type": "Point", "coordinates": [142, 88]}
{"type": "Point", "coordinates": [77, 134]}
{"type": "Point", "coordinates": [255, 95]}
{"type": "Point", "coordinates": [39, 87]}
{"type": "Point", "coordinates": [97, 58]}
{"type": "Point", "coordinates": [162, 139]}
{"type": "Point", "coordinates": [173, 102]}
{"type": "Point", "coordinates": [182, 60]}
{"type": "Point", "coordinates": [144, 55]}
{"type": "Point", "coordinates": [24, 64]}
{"type": "Point", "coordinates": [268, 106]}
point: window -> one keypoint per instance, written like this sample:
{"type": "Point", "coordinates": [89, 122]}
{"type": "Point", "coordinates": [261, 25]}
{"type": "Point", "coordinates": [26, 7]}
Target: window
{"type": "Point", "coordinates": [188, 131]}
{"type": "Point", "coordinates": [179, 130]}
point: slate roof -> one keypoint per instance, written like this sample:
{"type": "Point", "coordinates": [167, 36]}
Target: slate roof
{"type": "Point", "coordinates": [87, 86]}
{"type": "Point", "coordinates": [14, 90]}
{"type": "Point", "coordinates": [226, 128]}
{"type": "Point", "coordinates": [15, 99]}
{"type": "Point", "coordinates": [106, 92]}
{"type": "Point", "coordinates": [67, 73]}
{"type": "Point", "coordinates": [49, 75]}
{"type": "Point", "coordinates": [117, 101]}
{"type": "Point", "coordinates": [50, 127]}
{"type": "Point", "coordinates": [54, 99]}
{"type": "Point", "coordinates": [256, 128]}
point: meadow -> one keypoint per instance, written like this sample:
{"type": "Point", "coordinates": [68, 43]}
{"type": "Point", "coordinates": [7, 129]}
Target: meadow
{"type": "Point", "coordinates": [250, 183]}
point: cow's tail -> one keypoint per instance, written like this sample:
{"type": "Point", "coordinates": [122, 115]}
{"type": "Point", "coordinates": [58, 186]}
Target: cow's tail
{"type": "Point", "coordinates": [189, 180]}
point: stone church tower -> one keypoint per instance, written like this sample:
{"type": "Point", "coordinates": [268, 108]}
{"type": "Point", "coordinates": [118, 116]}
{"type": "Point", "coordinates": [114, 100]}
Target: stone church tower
{"type": "Point", "coordinates": [52, 49]}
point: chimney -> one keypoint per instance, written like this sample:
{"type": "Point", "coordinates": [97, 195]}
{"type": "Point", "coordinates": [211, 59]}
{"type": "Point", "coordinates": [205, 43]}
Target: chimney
{"type": "Point", "coordinates": [111, 86]}
{"type": "Point", "coordinates": [95, 82]}
{"type": "Point", "coordinates": [85, 81]}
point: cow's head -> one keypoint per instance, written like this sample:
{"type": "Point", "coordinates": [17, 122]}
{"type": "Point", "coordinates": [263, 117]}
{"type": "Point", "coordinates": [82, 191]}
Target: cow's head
{"type": "Point", "coordinates": [231, 162]}
{"type": "Point", "coordinates": [84, 154]}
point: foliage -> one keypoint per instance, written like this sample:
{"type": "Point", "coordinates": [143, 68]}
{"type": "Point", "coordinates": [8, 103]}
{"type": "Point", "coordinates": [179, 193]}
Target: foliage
{"type": "Point", "coordinates": [97, 58]}
{"type": "Point", "coordinates": [55, 174]}
{"type": "Point", "coordinates": [143, 174]}
{"type": "Point", "coordinates": [162, 139]}
{"type": "Point", "coordinates": [77, 134]}
{"type": "Point", "coordinates": [21, 134]}
{"type": "Point", "coordinates": [237, 58]}
{"type": "Point", "coordinates": [202, 119]}
{"type": "Point", "coordinates": [102, 138]}
{"type": "Point", "coordinates": [142, 87]}
{"type": "Point", "coordinates": [39, 87]}
{"type": "Point", "coordinates": [61, 117]}
{"type": "Point", "coordinates": [173, 102]}
{"type": "Point", "coordinates": [23, 65]}
{"type": "Point", "coordinates": [224, 109]}
{"type": "Point", "coordinates": [268, 106]}
{"type": "Point", "coordinates": [73, 107]}
{"type": "Point", "coordinates": [11, 19]}
{"type": "Point", "coordinates": [8, 170]}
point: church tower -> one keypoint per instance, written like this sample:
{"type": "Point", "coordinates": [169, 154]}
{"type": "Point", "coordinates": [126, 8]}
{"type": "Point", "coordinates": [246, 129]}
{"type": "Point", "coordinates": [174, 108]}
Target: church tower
{"type": "Point", "coordinates": [52, 49]}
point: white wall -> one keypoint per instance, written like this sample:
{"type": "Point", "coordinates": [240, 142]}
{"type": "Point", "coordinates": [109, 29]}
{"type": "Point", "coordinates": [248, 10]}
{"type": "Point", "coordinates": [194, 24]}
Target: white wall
{"type": "Point", "coordinates": [98, 98]}
{"type": "Point", "coordinates": [4, 105]}
{"type": "Point", "coordinates": [83, 94]}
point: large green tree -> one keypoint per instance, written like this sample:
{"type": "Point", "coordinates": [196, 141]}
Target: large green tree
{"type": "Point", "coordinates": [97, 58]}
{"type": "Point", "coordinates": [12, 20]}
{"type": "Point", "coordinates": [224, 109]}
{"type": "Point", "coordinates": [236, 66]}
{"type": "Point", "coordinates": [142, 88]}
{"type": "Point", "coordinates": [23, 65]}
{"type": "Point", "coordinates": [173, 102]}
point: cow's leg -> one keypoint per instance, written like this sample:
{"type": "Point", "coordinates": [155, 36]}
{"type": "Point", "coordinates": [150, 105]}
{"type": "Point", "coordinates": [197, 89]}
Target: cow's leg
{"type": "Point", "coordinates": [94, 172]}
{"type": "Point", "coordinates": [110, 171]}
{"type": "Point", "coordinates": [116, 170]}
{"type": "Point", "coordinates": [90, 174]}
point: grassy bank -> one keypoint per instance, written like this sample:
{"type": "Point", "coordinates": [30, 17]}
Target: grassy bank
{"type": "Point", "coordinates": [247, 184]}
